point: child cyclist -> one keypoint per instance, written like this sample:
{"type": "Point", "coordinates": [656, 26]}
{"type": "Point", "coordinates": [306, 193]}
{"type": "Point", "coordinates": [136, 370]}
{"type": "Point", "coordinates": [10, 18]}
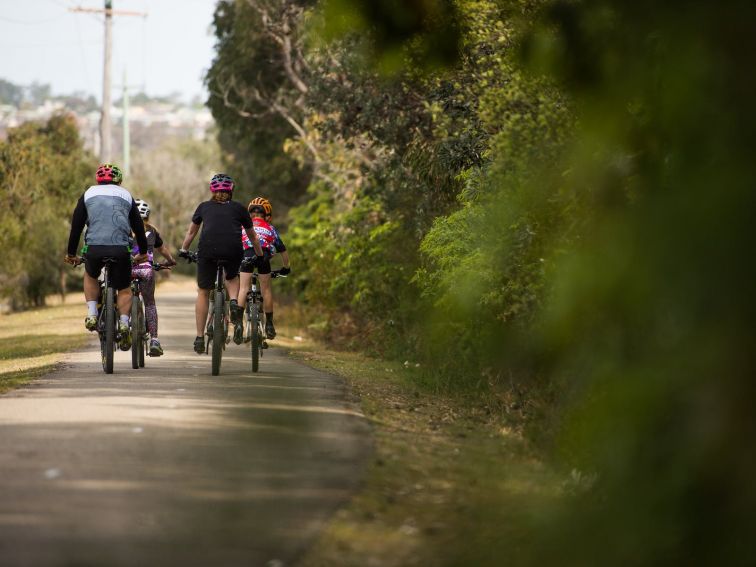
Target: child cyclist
{"type": "Point", "coordinates": [261, 212]}
{"type": "Point", "coordinates": [145, 272]}
{"type": "Point", "coordinates": [222, 220]}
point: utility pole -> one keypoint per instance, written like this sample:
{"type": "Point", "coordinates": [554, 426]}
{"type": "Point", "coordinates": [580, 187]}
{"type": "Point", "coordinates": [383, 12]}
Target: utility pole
{"type": "Point", "coordinates": [106, 144]}
{"type": "Point", "coordinates": [106, 140]}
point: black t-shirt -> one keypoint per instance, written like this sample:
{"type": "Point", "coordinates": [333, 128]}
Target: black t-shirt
{"type": "Point", "coordinates": [221, 228]}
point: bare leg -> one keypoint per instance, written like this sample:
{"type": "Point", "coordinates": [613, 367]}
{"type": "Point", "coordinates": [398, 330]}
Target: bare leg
{"type": "Point", "coordinates": [267, 292]}
{"type": "Point", "coordinates": [91, 288]}
{"type": "Point", "coordinates": [244, 279]}
{"type": "Point", "coordinates": [200, 310]}
{"type": "Point", "coordinates": [124, 301]}
{"type": "Point", "coordinates": [233, 287]}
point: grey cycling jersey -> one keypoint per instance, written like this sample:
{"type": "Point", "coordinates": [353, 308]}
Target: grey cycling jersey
{"type": "Point", "coordinates": [108, 209]}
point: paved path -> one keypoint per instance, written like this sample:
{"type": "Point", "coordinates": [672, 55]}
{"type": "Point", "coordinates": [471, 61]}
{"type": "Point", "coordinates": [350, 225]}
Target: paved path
{"type": "Point", "coordinates": [168, 465]}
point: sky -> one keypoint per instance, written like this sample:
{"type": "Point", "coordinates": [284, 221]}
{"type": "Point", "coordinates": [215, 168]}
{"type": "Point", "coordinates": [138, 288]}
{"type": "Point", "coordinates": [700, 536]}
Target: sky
{"type": "Point", "coordinates": [166, 52]}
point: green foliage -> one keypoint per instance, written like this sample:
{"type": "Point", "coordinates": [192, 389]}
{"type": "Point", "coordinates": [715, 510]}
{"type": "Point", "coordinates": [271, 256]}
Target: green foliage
{"type": "Point", "coordinates": [43, 170]}
{"type": "Point", "coordinates": [244, 80]}
{"type": "Point", "coordinates": [567, 207]}
{"type": "Point", "coordinates": [354, 260]}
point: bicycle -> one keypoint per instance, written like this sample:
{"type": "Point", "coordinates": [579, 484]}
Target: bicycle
{"type": "Point", "coordinates": [140, 338]}
{"type": "Point", "coordinates": [255, 318]}
{"type": "Point", "coordinates": [107, 314]}
{"type": "Point", "coordinates": [218, 314]}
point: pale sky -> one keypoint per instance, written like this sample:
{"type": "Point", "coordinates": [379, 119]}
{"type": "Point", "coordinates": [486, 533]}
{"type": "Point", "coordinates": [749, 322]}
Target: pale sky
{"type": "Point", "coordinates": [40, 40]}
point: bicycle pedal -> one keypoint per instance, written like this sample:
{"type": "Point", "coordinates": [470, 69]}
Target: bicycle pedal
{"type": "Point", "coordinates": [265, 344]}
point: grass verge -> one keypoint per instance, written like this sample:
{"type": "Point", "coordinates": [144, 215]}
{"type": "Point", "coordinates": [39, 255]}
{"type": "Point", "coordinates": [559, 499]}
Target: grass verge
{"type": "Point", "coordinates": [32, 343]}
{"type": "Point", "coordinates": [451, 482]}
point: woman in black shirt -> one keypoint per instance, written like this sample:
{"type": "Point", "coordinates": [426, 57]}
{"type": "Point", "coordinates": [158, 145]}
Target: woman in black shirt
{"type": "Point", "coordinates": [221, 220]}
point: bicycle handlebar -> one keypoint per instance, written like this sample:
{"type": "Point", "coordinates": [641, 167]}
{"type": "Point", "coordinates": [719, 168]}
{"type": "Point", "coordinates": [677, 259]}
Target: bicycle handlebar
{"type": "Point", "coordinates": [189, 256]}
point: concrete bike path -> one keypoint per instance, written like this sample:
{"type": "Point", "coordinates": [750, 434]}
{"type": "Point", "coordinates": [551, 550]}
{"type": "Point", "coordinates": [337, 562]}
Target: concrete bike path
{"type": "Point", "coordinates": [168, 465]}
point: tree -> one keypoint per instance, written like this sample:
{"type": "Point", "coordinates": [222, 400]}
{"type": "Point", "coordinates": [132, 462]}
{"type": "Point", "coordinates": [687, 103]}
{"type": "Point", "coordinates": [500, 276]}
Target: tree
{"type": "Point", "coordinates": [43, 170]}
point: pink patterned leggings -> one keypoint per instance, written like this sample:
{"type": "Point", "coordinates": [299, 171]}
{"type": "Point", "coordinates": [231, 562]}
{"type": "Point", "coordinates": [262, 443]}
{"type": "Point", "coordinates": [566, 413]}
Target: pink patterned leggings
{"type": "Point", "coordinates": [147, 275]}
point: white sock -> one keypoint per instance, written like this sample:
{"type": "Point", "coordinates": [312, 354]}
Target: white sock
{"type": "Point", "coordinates": [125, 320]}
{"type": "Point", "coordinates": [92, 308]}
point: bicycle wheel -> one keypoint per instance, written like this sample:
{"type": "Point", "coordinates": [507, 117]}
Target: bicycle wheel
{"type": "Point", "coordinates": [248, 320]}
{"type": "Point", "coordinates": [255, 336]}
{"type": "Point", "coordinates": [142, 333]}
{"type": "Point", "coordinates": [218, 338]}
{"type": "Point", "coordinates": [107, 343]}
{"type": "Point", "coordinates": [136, 335]}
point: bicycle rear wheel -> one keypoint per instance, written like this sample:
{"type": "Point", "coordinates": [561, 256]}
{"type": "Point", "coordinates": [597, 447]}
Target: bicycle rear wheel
{"type": "Point", "coordinates": [143, 330]}
{"type": "Point", "coordinates": [255, 336]}
{"type": "Point", "coordinates": [218, 338]}
{"type": "Point", "coordinates": [137, 337]}
{"type": "Point", "coordinates": [107, 346]}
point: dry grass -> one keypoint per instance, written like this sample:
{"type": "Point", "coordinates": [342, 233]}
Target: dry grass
{"type": "Point", "coordinates": [33, 342]}
{"type": "Point", "coordinates": [451, 482]}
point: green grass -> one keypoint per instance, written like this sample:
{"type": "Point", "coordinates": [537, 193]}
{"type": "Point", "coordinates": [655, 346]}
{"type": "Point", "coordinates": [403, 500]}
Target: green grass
{"type": "Point", "coordinates": [27, 346]}
{"type": "Point", "coordinates": [33, 342]}
{"type": "Point", "coordinates": [14, 379]}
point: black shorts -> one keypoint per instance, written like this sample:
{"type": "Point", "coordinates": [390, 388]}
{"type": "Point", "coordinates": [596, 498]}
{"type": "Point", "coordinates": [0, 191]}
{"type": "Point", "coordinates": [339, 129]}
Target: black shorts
{"type": "Point", "coordinates": [262, 265]}
{"type": "Point", "coordinates": [207, 268]}
{"type": "Point", "coordinates": [119, 273]}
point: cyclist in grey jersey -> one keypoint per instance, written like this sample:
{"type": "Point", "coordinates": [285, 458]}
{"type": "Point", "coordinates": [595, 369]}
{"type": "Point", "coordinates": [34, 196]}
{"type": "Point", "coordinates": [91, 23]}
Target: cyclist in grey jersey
{"type": "Point", "coordinates": [110, 215]}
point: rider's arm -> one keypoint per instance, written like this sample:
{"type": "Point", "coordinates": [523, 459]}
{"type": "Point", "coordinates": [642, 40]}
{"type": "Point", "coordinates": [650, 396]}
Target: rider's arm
{"type": "Point", "coordinates": [78, 220]}
{"type": "Point", "coordinates": [166, 254]}
{"type": "Point", "coordinates": [161, 247]}
{"type": "Point", "coordinates": [137, 225]}
{"type": "Point", "coordinates": [191, 232]}
{"type": "Point", "coordinates": [285, 259]}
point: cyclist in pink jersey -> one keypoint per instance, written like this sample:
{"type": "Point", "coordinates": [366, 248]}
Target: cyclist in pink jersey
{"type": "Point", "coordinates": [260, 211]}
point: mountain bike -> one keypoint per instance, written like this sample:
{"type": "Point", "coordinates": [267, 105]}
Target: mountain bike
{"type": "Point", "coordinates": [254, 318]}
{"type": "Point", "coordinates": [107, 315]}
{"type": "Point", "coordinates": [140, 338]}
{"type": "Point", "coordinates": [217, 324]}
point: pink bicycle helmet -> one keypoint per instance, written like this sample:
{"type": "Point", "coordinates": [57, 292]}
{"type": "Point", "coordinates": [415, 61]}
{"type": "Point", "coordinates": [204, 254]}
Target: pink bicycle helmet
{"type": "Point", "coordinates": [221, 182]}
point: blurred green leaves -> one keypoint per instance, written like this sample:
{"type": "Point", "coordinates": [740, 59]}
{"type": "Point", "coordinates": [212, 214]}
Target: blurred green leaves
{"type": "Point", "coordinates": [426, 30]}
{"type": "Point", "coordinates": [563, 208]}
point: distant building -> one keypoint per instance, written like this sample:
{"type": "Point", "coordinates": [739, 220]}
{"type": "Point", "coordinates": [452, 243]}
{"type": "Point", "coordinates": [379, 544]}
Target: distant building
{"type": "Point", "coordinates": [150, 123]}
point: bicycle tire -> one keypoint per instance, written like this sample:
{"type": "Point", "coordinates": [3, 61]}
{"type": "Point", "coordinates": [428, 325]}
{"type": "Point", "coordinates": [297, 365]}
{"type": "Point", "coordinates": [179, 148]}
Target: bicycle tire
{"type": "Point", "coordinates": [136, 336]}
{"type": "Point", "coordinates": [218, 338]}
{"type": "Point", "coordinates": [108, 344]}
{"type": "Point", "coordinates": [145, 344]}
{"type": "Point", "coordinates": [255, 337]}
